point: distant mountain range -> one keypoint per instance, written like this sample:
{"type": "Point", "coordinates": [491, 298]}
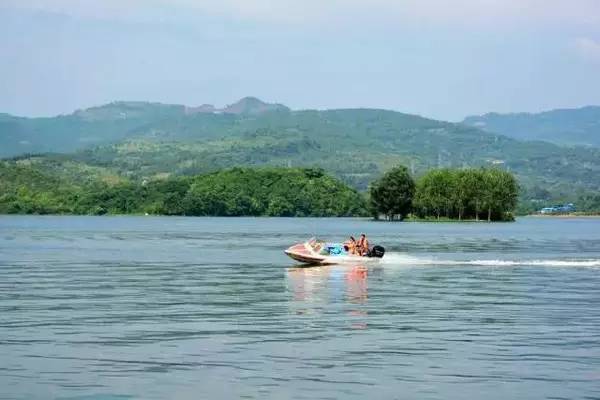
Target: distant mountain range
{"type": "Point", "coordinates": [579, 126]}
{"type": "Point", "coordinates": [139, 141]}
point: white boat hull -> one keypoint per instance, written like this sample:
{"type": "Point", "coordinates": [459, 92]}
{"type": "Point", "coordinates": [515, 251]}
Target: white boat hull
{"type": "Point", "coordinates": [305, 253]}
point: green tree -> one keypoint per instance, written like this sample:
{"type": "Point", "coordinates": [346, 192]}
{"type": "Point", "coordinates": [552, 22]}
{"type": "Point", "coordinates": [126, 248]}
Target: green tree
{"type": "Point", "coordinates": [280, 207]}
{"type": "Point", "coordinates": [434, 193]}
{"type": "Point", "coordinates": [460, 192]}
{"type": "Point", "coordinates": [500, 193]}
{"type": "Point", "coordinates": [466, 193]}
{"type": "Point", "coordinates": [392, 194]}
{"type": "Point", "coordinates": [472, 182]}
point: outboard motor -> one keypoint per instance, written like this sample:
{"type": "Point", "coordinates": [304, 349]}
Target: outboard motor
{"type": "Point", "coordinates": [377, 252]}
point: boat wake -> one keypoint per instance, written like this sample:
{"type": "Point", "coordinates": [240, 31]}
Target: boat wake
{"type": "Point", "coordinates": [407, 260]}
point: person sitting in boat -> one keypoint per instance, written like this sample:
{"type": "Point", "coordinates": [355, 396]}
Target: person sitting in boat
{"type": "Point", "coordinates": [350, 245]}
{"type": "Point", "coordinates": [362, 246]}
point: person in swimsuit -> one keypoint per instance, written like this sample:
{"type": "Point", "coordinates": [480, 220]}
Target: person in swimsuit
{"type": "Point", "coordinates": [350, 246]}
{"type": "Point", "coordinates": [363, 245]}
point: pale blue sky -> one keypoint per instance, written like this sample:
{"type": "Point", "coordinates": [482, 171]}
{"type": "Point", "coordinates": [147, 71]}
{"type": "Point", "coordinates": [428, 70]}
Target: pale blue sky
{"type": "Point", "coordinates": [441, 59]}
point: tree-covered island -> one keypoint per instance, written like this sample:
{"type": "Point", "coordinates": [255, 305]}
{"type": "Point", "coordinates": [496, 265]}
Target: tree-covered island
{"type": "Point", "coordinates": [472, 193]}
{"type": "Point", "coordinates": [488, 194]}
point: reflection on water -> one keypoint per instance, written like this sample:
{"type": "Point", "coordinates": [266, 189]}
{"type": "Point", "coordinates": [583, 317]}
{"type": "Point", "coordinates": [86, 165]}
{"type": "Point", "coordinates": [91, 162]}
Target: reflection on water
{"type": "Point", "coordinates": [315, 285]}
{"type": "Point", "coordinates": [313, 288]}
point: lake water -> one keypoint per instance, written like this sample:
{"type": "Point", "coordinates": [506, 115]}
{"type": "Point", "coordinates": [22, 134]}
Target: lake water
{"type": "Point", "coordinates": [208, 308]}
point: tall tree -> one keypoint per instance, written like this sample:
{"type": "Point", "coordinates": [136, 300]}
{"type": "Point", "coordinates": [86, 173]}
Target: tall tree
{"type": "Point", "coordinates": [392, 194]}
{"type": "Point", "coordinates": [434, 193]}
{"type": "Point", "coordinates": [471, 182]}
{"type": "Point", "coordinates": [500, 192]}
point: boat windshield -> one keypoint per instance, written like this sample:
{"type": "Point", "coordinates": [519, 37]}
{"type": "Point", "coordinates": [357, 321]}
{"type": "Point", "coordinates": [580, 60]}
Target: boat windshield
{"type": "Point", "coordinates": [315, 244]}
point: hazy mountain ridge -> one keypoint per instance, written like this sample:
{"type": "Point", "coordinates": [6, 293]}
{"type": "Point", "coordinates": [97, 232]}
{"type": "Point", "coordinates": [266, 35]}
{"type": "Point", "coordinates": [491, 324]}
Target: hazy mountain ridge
{"type": "Point", "coordinates": [252, 105]}
{"type": "Point", "coordinates": [111, 123]}
{"type": "Point", "coordinates": [578, 126]}
{"type": "Point", "coordinates": [245, 106]}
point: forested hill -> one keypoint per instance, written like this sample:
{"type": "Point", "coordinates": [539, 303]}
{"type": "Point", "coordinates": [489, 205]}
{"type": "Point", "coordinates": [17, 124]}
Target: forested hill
{"type": "Point", "coordinates": [148, 141]}
{"type": "Point", "coordinates": [123, 120]}
{"type": "Point", "coordinates": [580, 126]}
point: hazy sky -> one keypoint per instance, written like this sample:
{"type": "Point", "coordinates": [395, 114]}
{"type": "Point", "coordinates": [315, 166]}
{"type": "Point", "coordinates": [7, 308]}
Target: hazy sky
{"type": "Point", "coordinates": [438, 58]}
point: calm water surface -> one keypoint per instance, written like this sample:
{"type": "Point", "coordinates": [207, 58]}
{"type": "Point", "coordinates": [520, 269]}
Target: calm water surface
{"type": "Point", "coordinates": [205, 308]}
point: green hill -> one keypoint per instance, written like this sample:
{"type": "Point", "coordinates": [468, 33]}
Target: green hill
{"type": "Point", "coordinates": [118, 121]}
{"type": "Point", "coordinates": [355, 145]}
{"type": "Point", "coordinates": [580, 126]}
{"type": "Point", "coordinates": [148, 141]}
{"type": "Point", "coordinates": [67, 133]}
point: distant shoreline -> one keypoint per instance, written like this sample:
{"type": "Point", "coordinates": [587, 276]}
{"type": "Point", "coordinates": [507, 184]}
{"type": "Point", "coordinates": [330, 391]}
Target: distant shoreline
{"type": "Point", "coordinates": [408, 220]}
{"type": "Point", "coordinates": [451, 220]}
{"type": "Point", "coordinates": [365, 218]}
{"type": "Point", "coordinates": [574, 215]}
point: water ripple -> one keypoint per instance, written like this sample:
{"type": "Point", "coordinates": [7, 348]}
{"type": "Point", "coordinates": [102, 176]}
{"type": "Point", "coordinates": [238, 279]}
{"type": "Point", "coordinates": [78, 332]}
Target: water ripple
{"type": "Point", "coordinates": [137, 308]}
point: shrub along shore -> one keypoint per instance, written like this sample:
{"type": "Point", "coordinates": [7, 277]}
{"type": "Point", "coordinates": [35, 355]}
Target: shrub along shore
{"type": "Point", "coordinates": [442, 194]}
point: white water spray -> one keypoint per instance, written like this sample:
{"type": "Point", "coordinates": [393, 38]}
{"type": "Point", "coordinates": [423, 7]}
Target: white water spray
{"type": "Point", "coordinates": [409, 260]}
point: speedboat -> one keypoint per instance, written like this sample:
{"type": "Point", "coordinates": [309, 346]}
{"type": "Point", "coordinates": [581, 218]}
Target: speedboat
{"type": "Point", "coordinates": [315, 251]}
